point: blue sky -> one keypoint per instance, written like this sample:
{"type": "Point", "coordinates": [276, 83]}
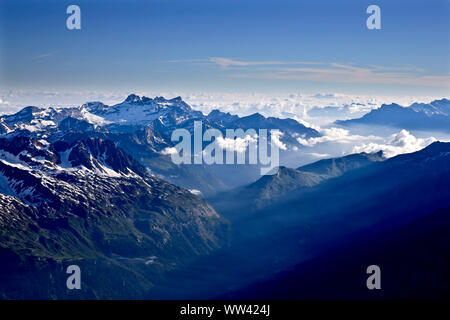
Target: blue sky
{"type": "Point", "coordinates": [226, 46]}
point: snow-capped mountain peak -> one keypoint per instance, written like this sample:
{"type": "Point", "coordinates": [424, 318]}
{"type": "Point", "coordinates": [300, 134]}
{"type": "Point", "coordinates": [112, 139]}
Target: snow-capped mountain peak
{"type": "Point", "coordinates": [136, 110]}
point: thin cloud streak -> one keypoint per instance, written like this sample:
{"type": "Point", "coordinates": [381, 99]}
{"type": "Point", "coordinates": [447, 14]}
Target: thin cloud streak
{"type": "Point", "coordinates": [325, 72]}
{"type": "Point", "coordinates": [46, 55]}
{"type": "Point", "coordinates": [348, 73]}
{"type": "Point", "coordinates": [339, 76]}
{"type": "Point", "coordinates": [226, 62]}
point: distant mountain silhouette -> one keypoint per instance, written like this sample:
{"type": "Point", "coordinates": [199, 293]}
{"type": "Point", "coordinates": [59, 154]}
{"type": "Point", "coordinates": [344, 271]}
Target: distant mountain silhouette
{"type": "Point", "coordinates": [418, 116]}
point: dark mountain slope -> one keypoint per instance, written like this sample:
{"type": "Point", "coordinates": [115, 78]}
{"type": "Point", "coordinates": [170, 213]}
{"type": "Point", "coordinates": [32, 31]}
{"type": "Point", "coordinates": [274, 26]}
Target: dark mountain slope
{"type": "Point", "coordinates": [337, 166]}
{"type": "Point", "coordinates": [273, 188]}
{"type": "Point", "coordinates": [414, 260]}
{"type": "Point", "coordinates": [92, 205]}
{"type": "Point", "coordinates": [320, 220]}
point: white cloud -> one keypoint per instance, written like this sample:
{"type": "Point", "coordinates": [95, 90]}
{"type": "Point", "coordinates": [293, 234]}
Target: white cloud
{"type": "Point", "coordinates": [275, 135]}
{"type": "Point", "coordinates": [320, 155]}
{"type": "Point", "coordinates": [296, 106]}
{"type": "Point", "coordinates": [169, 150]}
{"type": "Point", "coordinates": [6, 107]}
{"type": "Point", "coordinates": [398, 143]}
{"type": "Point", "coordinates": [235, 145]}
{"type": "Point", "coordinates": [338, 135]}
{"type": "Point", "coordinates": [225, 62]}
{"type": "Point", "coordinates": [196, 192]}
{"type": "Point", "coordinates": [14, 101]}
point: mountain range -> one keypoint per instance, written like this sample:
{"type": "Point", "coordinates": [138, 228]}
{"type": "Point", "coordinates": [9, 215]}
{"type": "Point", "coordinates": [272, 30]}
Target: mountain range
{"type": "Point", "coordinates": [142, 127]}
{"type": "Point", "coordinates": [433, 116]}
{"type": "Point", "coordinates": [92, 186]}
